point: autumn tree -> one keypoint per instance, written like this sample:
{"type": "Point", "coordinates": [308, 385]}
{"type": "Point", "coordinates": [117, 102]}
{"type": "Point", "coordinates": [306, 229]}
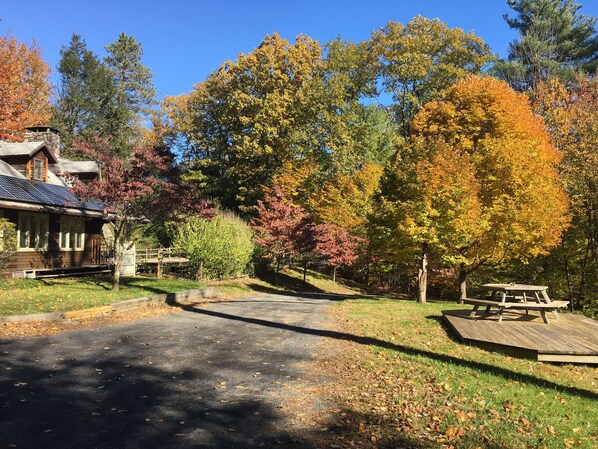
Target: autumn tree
{"type": "Point", "coordinates": [279, 108]}
{"type": "Point", "coordinates": [24, 88]}
{"type": "Point", "coordinates": [138, 192]}
{"type": "Point", "coordinates": [249, 117]}
{"type": "Point", "coordinates": [571, 113]}
{"type": "Point", "coordinates": [420, 59]}
{"type": "Point", "coordinates": [475, 188]}
{"type": "Point", "coordinates": [279, 227]}
{"type": "Point", "coordinates": [336, 246]}
{"type": "Point", "coordinates": [427, 205]}
{"type": "Point", "coordinates": [555, 41]}
{"type": "Point", "coordinates": [346, 200]}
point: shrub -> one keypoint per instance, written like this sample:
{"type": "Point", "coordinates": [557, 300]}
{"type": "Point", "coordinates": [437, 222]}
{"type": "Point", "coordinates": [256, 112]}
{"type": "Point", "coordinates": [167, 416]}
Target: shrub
{"type": "Point", "coordinates": [218, 248]}
{"type": "Point", "coordinates": [8, 242]}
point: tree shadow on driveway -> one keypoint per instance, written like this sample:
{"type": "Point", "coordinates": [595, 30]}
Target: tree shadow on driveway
{"type": "Point", "coordinates": [109, 394]}
{"type": "Point", "coordinates": [369, 341]}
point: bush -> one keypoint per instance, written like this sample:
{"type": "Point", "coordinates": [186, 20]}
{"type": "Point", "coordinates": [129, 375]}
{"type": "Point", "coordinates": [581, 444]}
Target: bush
{"type": "Point", "coordinates": [218, 248]}
{"type": "Point", "coordinates": [8, 242]}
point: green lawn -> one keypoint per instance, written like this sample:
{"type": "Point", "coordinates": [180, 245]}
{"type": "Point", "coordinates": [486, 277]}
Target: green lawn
{"type": "Point", "coordinates": [20, 296]}
{"type": "Point", "coordinates": [420, 387]}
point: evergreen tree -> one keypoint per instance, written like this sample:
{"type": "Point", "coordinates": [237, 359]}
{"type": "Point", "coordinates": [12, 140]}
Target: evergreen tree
{"type": "Point", "coordinates": [86, 95]}
{"type": "Point", "coordinates": [103, 98]}
{"type": "Point", "coordinates": [133, 81]}
{"type": "Point", "coordinates": [555, 40]}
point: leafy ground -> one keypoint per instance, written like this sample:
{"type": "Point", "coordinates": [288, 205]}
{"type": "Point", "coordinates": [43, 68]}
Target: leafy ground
{"type": "Point", "coordinates": [403, 381]}
{"type": "Point", "coordinates": [21, 296]}
{"type": "Point", "coordinates": [398, 377]}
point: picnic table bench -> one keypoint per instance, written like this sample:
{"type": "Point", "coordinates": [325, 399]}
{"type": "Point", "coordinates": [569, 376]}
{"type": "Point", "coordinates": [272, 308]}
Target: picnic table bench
{"type": "Point", "coordinates": [542, 307]}
{"type": "Point", "coordinates": [523, 297]}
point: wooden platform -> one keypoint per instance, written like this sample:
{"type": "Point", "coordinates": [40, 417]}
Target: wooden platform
{"type": "Point", "coordinates": [570, 338]}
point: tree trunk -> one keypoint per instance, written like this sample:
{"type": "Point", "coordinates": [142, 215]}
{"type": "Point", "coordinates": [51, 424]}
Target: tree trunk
{"type": "Point", "coordinates": [159, 267]}
{"type": "Point", "coordinates": [305, 271]}
{"type": "Point", "coordinates": [334, 274]}
{"type": "Point", "coordinates": [276, 272]}
{"type": "Point", "coordinates": [462, 284]}
{"type": "Point", "coordinates": [199, 272]}
{"type": "Point", "coordinates": [422, 276]}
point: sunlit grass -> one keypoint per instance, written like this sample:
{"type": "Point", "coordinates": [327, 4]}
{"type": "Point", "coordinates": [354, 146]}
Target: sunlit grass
{"type": "Point", "coordinates": [444, 393]}
{"type": "Point", "coordinates": [23, 296]}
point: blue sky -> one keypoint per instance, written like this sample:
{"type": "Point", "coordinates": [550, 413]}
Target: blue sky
{"type": "Point", "coordinates": [185, 40]}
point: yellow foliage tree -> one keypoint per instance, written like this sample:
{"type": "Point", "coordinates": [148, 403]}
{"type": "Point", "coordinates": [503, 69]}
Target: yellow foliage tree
{"type": "Point", "coordinates": [477, 182]}
{"type": "Point", "coordinates": [346, 200]}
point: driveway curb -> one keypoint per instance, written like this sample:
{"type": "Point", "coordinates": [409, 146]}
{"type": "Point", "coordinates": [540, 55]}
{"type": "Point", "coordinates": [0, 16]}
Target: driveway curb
{"type": "Point", "coordinates": [181, 297]}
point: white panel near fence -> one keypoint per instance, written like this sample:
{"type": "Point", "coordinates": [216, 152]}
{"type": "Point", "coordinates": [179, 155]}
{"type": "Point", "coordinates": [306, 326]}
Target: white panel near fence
{"type": "Point", "coordinates": [128, 266]}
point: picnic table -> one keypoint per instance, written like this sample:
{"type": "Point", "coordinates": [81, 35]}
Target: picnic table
{"type": "Point", "coordinates": [517, 296]}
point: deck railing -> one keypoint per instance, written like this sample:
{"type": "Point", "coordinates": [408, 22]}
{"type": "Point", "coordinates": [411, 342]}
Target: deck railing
{"type": "Point", "coordinates": [154, 254]}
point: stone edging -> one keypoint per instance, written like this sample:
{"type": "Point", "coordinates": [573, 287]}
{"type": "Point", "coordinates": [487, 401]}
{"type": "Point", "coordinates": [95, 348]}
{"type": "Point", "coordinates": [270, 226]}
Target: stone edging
{"type": "Point", "coordinates": [182, 297]}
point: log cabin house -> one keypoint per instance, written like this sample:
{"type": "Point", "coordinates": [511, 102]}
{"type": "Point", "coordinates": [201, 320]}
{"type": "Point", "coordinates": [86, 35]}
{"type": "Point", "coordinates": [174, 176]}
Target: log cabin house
{"type": "Point", "coordinates": [56, 233]}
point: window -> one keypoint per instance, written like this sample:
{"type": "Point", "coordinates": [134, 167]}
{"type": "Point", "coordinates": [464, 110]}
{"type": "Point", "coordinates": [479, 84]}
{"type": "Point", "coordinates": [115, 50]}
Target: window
{"type": "Point", "coordinates": [33, 231]}
{"type": "Point", "coordinates": [39, 169]}
{"type": "Point", "coordinates": [72, 233]}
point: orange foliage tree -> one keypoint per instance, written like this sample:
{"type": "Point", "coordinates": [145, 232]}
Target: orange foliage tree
{"type": "Point", "coordinates": [571, 113]}
{"type": "Point", "coordinates": [477, 182]}
{"type": "Point", "coordinates": [24, 88]}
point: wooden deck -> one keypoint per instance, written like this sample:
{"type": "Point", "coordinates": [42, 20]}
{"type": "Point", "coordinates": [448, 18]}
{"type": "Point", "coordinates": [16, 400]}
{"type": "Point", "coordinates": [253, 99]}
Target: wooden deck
{"type": "Point", "coordinates": [570, 338]}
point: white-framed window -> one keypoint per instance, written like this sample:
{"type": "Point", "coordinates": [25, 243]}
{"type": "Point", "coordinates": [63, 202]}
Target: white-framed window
{"type": "Point", "coordinates": [39, 166]}
{"type": "Point", "coordinates": [32, 231]}
{"type": "Point", "coordinates": [72, 233]}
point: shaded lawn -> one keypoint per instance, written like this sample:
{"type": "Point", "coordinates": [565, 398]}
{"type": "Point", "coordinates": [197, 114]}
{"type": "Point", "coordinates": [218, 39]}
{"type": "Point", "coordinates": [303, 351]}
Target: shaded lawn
{"type": "Point", "coordinates": [22, 296]}
{"type": "Point", "coordinates": [416, 384]}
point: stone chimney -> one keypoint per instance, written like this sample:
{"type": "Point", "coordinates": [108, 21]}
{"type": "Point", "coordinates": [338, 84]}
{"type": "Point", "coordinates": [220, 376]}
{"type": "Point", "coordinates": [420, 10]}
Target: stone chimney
{"type": "Point", "coordinates": [51, 136]}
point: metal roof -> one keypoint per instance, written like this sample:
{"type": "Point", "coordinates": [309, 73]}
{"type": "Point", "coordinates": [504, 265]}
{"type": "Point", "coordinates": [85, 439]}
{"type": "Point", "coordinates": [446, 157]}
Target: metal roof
{"type": "Point", "coordinates": [37, 192]}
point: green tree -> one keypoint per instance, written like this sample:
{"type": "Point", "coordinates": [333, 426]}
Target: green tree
{"type": "Point", "coordinates": [419, 60]}
{"type": "Point", "coordinates": [133, 81]}
{"type": "Point", "coordinates": [86, 104]}
{"type": "Point", "coordinates": [217, 248]}
{"type": "Point", "coordinates": [555, 40]}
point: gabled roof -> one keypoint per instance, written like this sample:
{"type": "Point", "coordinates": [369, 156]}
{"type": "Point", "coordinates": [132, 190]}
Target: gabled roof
{"type": "Point", "coordinates": [36, 192]}
{"type": "Point", "coordinates": [12, 149]}
{"type": "Point", "coordinates": [78, 167]}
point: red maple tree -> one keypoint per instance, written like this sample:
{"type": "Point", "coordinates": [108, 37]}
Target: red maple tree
{"type": "Point", "coordinates": [138, 192]}
{"type": "Point", "coordinates": [337, 246]}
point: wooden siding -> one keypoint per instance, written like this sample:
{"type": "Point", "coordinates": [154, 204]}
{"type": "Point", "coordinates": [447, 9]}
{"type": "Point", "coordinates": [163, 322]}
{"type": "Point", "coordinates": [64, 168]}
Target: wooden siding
{"type": "Point", "coordinates": [53, 257]}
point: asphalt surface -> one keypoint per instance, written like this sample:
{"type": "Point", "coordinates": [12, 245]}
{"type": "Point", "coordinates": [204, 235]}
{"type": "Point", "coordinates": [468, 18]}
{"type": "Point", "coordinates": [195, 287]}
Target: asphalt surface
{"type": "Point", "coordinates": [213, 376]}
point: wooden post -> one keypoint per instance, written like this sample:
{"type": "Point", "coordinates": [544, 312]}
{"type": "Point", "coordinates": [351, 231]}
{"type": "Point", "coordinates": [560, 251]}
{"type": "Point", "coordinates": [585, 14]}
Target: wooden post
{"type": "Point", "coordinates": [159, 267]}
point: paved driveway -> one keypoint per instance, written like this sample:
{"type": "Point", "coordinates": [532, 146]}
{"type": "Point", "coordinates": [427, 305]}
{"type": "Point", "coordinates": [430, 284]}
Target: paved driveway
{"type": "Point", "coordinates": [208, 377]}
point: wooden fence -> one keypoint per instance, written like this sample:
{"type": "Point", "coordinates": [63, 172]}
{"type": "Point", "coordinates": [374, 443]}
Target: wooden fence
{"type": "Point", "coordinates": [159, 257]}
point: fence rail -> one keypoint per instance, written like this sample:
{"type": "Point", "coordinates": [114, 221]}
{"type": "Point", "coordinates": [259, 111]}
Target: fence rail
{"type": "Point", "coordinates": [165, 255]}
